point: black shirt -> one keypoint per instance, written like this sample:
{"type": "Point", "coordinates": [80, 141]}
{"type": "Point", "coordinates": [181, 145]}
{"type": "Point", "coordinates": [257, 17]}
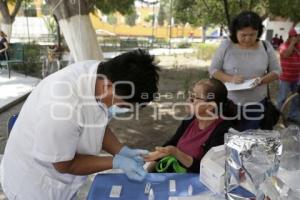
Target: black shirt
{"type": "Point", "coordinates": [2, 46]}
{"type": "Point", "coordinates": [216, 138]}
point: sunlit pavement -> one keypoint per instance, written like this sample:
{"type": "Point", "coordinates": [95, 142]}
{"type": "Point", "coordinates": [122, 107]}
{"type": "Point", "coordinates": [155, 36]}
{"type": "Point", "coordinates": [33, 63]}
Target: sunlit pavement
{"type": "Point", "coordinates": [11, 89]}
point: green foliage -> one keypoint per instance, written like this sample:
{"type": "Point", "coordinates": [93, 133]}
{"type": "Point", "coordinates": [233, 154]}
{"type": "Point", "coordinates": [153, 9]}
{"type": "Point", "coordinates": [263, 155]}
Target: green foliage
{"type": "Point", "coordinates": [212, 12]}
{"type": "Point", "coordinates": [161, 16]}
{"type": "Point", "coordinates": [32, 57]}
{"type": "Point", "coordinates": [45, 9]}
{"type": "Point", "coordinates": [184, 45]}
{"type": "Point", "coordinates": [206, 51]}
{"type": "Point", "coordinates": [111, 19]}
{"type": "Point", "coordinates": [30, 10]}
{"type": "Point", "coordinates": [8, 15]}
{"type": "Point", "coordinates": [50, 24]}
{"type": "Point", "coordinates": [166, 11]}
{"type": "Point", "coordinates": [149, 18]}
{"type": "Point", "coordinates": [166, 5]}
{"type": "Point", "coordinates": [286, 8]}
{"type": "Point", "coordinates": [131, 18]}
{"type": "Point", "coordinates": [111, 6]}
{"type": "Point", "coordinates": [32, 63]}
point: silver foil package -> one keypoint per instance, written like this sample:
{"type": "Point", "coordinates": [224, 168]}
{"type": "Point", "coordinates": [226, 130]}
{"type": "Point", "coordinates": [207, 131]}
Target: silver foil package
{"type": "Point", "coordinates": [285, 185]}
{"type": "Point", "coordinates": [251, 158]}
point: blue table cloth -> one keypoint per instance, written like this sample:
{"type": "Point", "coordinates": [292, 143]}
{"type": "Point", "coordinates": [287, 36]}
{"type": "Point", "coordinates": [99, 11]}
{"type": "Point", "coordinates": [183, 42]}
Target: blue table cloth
{"type": "Point", "coordinates": [132, 190]}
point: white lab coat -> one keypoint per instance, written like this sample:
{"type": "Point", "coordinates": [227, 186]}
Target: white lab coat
{"type": "Point", "coordinates": [60, 118]}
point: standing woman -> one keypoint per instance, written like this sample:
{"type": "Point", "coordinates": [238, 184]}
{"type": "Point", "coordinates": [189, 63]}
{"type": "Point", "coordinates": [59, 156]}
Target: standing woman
{"type": "Point", "coordinates": [3, 45]}
{"type": "Point", "coordinates": [244, 57]}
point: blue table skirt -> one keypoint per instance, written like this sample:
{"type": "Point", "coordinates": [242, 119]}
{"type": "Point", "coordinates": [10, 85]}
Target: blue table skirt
{"type": "Point", "coordinates": [132, 190]}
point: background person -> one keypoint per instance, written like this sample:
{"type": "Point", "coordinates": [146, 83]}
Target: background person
{"type": "Point", "coordinates": [290, 76]}
{"type": "Point", "coordinates": [206, 129]}
{"type": "Point", "coordinates": [52, 61]}
{"type": "Point", "coordinates": [62, 127]}
{"type": "Point", "coordinates": [280, 40]}
{"type": "Point", "coordinates": [243, 57]}
{"type": "Point", "coordinates": [3, 46]}
{"type": "Point", "coordinates": [275, 41]}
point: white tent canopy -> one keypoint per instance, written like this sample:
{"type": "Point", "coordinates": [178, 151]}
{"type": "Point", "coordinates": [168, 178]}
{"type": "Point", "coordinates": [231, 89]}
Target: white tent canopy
{"type": "Point", "coordinates": [34, 26]}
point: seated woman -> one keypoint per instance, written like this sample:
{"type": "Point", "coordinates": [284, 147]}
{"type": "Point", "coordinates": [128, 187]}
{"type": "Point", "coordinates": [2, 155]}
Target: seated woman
{"type": "Point", "coordinates": [205, 128]}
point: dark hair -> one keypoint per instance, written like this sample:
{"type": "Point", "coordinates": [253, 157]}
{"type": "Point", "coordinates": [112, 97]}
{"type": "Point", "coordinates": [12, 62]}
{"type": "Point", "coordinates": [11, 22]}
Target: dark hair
{"type": "Point", "coordinates": [2, 34]}
{"type": "Point", "coordinates": [136, 67]}
{"type": "Point", "coordinates": [220, 93]}
{"type": "Point", "coordinates": [243, 20]}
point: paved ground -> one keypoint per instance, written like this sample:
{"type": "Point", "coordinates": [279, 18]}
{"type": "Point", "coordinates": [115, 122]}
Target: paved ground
{"type": "Point", "coordinates": [14, 87]}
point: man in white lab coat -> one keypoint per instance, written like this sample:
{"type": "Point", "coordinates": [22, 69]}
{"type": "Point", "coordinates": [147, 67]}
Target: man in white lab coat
{"type": "Point", "coordinates": [62, 127]}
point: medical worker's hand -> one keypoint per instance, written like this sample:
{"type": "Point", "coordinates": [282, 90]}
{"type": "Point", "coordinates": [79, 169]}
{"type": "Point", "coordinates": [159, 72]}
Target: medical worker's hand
{"type": "Point", "coordinates": [131, 167]}
{"type": "Point", "coordinates": [136, 154]}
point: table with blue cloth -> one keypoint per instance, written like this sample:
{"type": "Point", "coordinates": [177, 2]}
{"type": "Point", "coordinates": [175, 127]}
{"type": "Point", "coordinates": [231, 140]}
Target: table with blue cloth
{"type": "Point", "coordinates": [131, 190]}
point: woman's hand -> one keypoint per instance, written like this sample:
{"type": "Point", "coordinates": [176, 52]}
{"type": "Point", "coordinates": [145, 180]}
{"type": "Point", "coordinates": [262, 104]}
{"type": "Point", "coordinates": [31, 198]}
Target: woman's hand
{"type": "Point", "coordinates": [151, 166]}
{"type": "Point", "coordinates": [160, 152]}
{"type": "Point", "coordinates": [154, 155]}
{"type": "Point", "coordinates": [257, 82]}
{"type": "Point", "coordinates": [294, 41]}
{"type": "Point", "coordinates": [237, 79]}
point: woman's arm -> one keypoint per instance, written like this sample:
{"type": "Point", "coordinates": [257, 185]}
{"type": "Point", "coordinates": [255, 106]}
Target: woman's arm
{"type": "Point", "coordinates": [184, 158]}
{"type": "Point", "coordinates": [274, 69]}
{"type": "Point", "coordinates": [217, 63]}
{"type": "Point", "coordinates": [111, 143]}
{"type": "Point", "coordinates": [5, 47]}
{"type": "Point", "coordinates": [89, 164]}
{"type": "Point", "coordinates": [287, 52]}
{"type": "Point", "coordinates": [84, 165]}
{"type": "Point", "coordinates": [268, 78]}
{"type": "Point", "coordinates": [220, 75]}
{"type": "Point", "coordinates": [151, 166]}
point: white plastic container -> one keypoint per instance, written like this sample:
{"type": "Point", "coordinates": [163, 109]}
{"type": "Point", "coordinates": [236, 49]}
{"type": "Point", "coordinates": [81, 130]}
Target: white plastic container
{"type": "Point", "coordinates": [212, 169]}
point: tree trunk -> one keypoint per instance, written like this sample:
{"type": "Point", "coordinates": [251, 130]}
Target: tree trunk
{"type": "Point", "coordinates": [203, 33]}
{"type": "Point", "coordinates": [57, 32]}
{"type": "Point", "coordinates": [6, 25]}
{"type": "Point", "coordinates": [250, 5]}
{"type": "Point", "coordinates": [7, 18]}
{"type": "Point", "coordinates": [226, 10]}
{"type": "Point", "coordinates": [77, 29]}
{"type": "Point", "coordinates": [241, 4]}
{"type": "Point", "coordinates": [221, 31]}
{"type": "Point", "coordinates": [81, 38]}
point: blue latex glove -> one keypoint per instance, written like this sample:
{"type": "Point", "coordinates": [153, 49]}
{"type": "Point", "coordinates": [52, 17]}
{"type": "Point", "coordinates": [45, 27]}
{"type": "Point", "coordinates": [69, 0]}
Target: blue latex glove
{"type": "Point", "coordinates": [131, 167]}
{"type": "Point", "coordinates": [136, 154]}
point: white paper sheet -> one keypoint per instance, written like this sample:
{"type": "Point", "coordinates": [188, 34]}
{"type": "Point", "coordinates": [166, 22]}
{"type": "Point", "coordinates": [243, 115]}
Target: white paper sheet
{"type": "Point", "coordinates": [246, 85]}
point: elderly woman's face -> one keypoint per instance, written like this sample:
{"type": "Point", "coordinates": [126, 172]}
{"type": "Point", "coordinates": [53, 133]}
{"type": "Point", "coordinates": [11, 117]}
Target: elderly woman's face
{"type": "Point", "coordinates": [247, 36]}
{"type": "Point", "coordinates": [198, 102]}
